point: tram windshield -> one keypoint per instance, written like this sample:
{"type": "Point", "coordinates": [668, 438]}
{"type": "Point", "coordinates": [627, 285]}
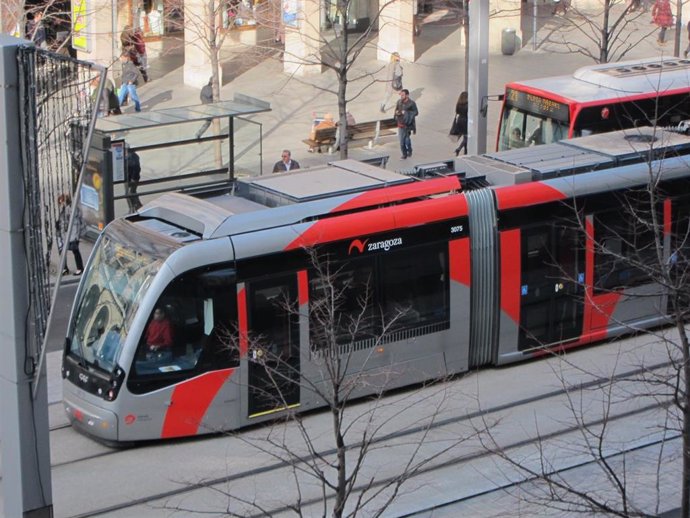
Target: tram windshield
{"type": "Point", "coordinates": [120, 272]}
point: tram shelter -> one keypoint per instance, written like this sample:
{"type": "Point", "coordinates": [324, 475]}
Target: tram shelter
{"type": "Point", "coordinates": [189, 149]}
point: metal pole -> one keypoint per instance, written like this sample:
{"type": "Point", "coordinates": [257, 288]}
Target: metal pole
{"type": "Point", "coordinates": [231, 150]}
{"type": "Point", "coordinates": [535, 11]}
{"type": "Point", "coordinates": [679, 28]}
{"type": "Point", "coordinates": [25, 445]}
{"type": "Point", "coordinates": [478, 86]}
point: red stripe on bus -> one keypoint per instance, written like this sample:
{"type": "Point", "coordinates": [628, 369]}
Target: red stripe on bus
{"type": "Point", "coordinates": [303, 287]}
{"type": "Point", "coordinates": [401, 192]}
{"type": "Point", "coordinates": [242, 321]}
{"type": "Point", "coordinates": [190, 401]}
{"type": "Point", "coordinates": [526, 194]}
{"type": "Point", "coordinates": [510, 274]}
{"type": "Point", "coordinates": [667, 217]}
{"type": "Point", "coordinates": [459, 250]}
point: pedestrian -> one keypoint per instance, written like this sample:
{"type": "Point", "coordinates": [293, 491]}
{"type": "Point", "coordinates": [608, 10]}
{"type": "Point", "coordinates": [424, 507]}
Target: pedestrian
{"type": "Point", "coordinates": [140, 49]}
{"type": "Point", "coordinates": [405, 113]}
{"type": "Point", "coordinates": [687, 49]}
{"type": "Point", "coordinates": [101, 104]}
{"type": "Point", "coordinates": [133, 169]}
{"type": "Point", "coordinates": [62, 226]}
{"type": "Point", "coordinates": [37, 31]}
{"type": "Point", "coordinates": [127, 39]}
{"type": "Point", "coordinates": [560, 5]}
{"type": "Point", "coordinates": [662, 16]}
{"type": "Point", "coordinates": [286, 163]}
{"type": "Point", "coordinates": [109, 103]}
{"type": "Point", "coordinates": [394, 76]}
{"type": "Point", "coordinates": [130, 80]}
{"type": "Point", "coordinates": [459, 127]}
{"type": "Point", "coordinates": [206, 97]}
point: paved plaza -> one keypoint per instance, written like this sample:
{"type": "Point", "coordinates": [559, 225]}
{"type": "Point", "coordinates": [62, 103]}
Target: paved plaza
{"type": "Point", "coordinates": [434, 80]}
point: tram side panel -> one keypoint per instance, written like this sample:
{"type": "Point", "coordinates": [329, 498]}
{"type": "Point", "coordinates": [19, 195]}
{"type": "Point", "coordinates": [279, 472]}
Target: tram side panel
{"type": "Point", "coordinates": [418, 278]}
{"type": "Point", "coordinates": [572, 270]}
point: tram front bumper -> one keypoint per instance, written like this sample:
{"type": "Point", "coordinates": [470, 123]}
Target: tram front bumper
{"type": "Point", "coordinates": [91, 419]}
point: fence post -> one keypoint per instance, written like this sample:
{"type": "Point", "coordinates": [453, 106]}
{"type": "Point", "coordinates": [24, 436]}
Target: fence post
{"type": "Point", "coordinates": [24, 432]}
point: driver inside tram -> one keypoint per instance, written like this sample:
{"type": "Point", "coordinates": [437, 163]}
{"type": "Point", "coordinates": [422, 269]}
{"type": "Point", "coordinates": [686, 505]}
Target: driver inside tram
{"type": "Point", "coordinates": [159, 333]}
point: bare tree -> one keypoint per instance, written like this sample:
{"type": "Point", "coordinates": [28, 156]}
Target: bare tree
{"type": "Point", "coordinates": [337, 469]}
{"type": "Point", "coordinates": [604, 33]}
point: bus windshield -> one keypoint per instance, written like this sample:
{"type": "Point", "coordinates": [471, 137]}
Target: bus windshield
{"type": "Point", "coordinates": [120, 272]}
{"type": "Point", "coordinates": [520, 128]}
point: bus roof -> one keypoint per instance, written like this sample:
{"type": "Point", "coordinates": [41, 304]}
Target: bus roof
{"type": "Point", "coordinates": [613, 80]}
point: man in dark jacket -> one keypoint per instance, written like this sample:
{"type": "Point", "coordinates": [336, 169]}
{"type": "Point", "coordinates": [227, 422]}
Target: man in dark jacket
{"type": "Point", "coordinates": [286, 163]}
{"type": "Point", "coordinates": [133, 168]}
{"type": "Point", "coordinates": [206, 97]}
{"type": "Point", "coordinates": [406, 113]}
{"type": "Point", "coordinates": [130, 79]}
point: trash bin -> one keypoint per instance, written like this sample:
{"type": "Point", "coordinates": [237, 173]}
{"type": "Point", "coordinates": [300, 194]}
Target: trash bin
{"type": "Point", "coordinates": [508, 42]}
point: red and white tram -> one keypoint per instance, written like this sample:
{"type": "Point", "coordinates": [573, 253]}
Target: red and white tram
{"type": "Point", "coordinates": [500, 259]}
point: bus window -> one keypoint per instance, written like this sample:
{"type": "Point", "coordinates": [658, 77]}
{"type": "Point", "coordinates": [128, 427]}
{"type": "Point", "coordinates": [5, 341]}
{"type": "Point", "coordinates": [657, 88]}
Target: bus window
{"type": "Point", "coordinates": [544, 130]}
{"type": "Point", "coordinates": [191, 330]}
{"type": "Point", "coordinates": [513, 123]}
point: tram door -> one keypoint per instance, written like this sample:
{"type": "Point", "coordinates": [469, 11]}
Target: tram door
{"type": "Point", "coordinates": [552, 285]}
{"type": "Point", "coordinates": [274, 370]}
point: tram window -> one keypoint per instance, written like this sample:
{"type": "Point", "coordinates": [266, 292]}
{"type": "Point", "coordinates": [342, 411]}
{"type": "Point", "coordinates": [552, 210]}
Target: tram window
{"type": "Point", "coordinates": [414, 285]}
{"type": "Point", "coordinates": [624, 244]}
{"type": "Point", "coordinates": [348, 288]}
{"type": "Point", "coordinates": [201, 308]}
{"type": "Point", "coordinates": [274, 320]}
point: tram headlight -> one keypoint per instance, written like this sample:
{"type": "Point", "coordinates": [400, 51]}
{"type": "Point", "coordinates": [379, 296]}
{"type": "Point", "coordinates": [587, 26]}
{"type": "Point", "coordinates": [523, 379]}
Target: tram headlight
{"type": "Point", "coordinates": [115, 384]}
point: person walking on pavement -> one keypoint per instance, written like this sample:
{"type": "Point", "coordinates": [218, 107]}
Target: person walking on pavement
{"type": "Point", "coordinates": [36, 30]}
{"type": "Point", "coordinates": [62, 224]}
{"type": "Point", "coordinates": [130, 80]}
{"type": "Point", "coordinates": [459, 127]}
{"type": "Point", "coordinates": [405, 114]}
{"type": "Point", "coordinates": [662, 16]}
{"type": "Point", "coordinates": [133, 169]}
{"type": "Point", "coordinates": [140, 49]}
{"type": "Point", "coordinates": [206, 97]}
{"type": "Point", "coordinates": [286, 163]}
{"type": "Point", "coordinates": [394, 77]}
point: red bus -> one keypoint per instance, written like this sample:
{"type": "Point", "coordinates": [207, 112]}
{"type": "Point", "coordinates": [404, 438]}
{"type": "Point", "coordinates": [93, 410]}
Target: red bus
{"type": "Point", "coordinates": [595, 99]}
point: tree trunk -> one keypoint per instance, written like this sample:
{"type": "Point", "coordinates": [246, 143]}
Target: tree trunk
{"type": "Point", "coordinates": [342, 79]}
{"type": "Point", "coordinates": [604, 43]}
{"type": "Point", "coordinates": [341, 489]}
{"type": "Point", "coordinates": [684, 406]}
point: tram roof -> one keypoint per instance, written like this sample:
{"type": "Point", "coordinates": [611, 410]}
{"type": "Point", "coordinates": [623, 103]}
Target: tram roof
{"type": "Point", "coordinates": [240, 105]}
{"type": "Point", "coordinates": [303, 195]}
{"type": "Point", "coordinates": [614, 80]}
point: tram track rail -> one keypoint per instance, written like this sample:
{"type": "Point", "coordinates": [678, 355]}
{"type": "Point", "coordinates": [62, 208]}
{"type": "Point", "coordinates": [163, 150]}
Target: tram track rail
{"type": "Point", "coordinates": [403, 433]}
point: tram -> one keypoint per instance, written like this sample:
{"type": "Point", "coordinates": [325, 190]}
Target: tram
{"type": "Point", "coordinates": [495, 258]}
{"type": "Point", "coordinates": [595, 99]}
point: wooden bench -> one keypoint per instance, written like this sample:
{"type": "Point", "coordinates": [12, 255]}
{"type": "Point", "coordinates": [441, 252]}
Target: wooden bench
{"type": "Point", "coordinates": [369, 131]}
{"type": "Point", "coordinates": [373, 130]}
{"type": "Point", "coordinates": [322, 137]}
